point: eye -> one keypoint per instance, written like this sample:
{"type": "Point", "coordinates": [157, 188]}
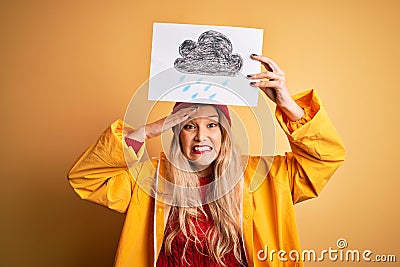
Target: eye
{"type": "Point", "coordinates": [212, 125]}
{"type": "Point", "coordinates": [189, 126]}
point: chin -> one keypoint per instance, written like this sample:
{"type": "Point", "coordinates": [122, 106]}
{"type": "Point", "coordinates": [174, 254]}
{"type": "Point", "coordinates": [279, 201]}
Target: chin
{"type": "Point", "coordinates": [202, 162]}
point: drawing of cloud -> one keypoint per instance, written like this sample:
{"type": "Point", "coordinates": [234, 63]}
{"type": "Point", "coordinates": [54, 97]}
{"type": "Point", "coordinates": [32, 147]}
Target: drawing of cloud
{"type": "Point", "coordinates": [211, 55]}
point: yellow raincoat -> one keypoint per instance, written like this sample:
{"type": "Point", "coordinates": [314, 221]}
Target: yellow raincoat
{"type": "Point", "coordinates": [102, 175]}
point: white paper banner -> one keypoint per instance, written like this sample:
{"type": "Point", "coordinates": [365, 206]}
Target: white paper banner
{"type": "Point", "coordinates": [204, 64]}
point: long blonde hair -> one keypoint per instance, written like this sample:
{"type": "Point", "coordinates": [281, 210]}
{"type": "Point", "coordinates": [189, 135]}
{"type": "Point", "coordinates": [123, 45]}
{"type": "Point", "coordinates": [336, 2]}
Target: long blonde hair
{"type": "Point", "coordinates": [225, 196]}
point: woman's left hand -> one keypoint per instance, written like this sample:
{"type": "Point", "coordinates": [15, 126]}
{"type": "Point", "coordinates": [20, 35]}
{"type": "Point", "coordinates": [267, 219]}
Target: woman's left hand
{"type": "Point", "coordinates": [275, 87]}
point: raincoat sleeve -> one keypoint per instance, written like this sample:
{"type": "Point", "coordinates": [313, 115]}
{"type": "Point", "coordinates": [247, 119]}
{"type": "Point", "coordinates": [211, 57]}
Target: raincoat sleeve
{"type": "Point", "coordinates": [101, 174]}
{"type": "Point", "coordinates": [317, 150]}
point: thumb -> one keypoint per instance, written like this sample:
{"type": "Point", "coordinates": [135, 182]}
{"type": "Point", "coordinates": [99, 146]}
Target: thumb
{"type": "Point", "coordinates": [270, 93]}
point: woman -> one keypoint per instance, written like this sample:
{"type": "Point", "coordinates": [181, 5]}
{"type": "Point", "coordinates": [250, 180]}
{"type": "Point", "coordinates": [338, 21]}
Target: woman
{"type": "Point", "coordinates": [212, 215]}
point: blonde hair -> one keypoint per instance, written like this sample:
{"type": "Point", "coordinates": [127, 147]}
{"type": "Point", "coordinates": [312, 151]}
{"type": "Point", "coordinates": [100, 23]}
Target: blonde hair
{"type": "Point", "coordinates": [225, 195]}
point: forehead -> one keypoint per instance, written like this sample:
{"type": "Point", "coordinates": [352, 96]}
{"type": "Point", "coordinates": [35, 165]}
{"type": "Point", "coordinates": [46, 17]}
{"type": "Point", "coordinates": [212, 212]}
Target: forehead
{"type": "Point", "coordinates": [205, 111]}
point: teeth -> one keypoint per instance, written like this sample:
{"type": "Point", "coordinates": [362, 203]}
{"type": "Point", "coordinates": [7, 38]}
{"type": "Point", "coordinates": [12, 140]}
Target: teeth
{"type": "Point", "coordinates": [201, 148]}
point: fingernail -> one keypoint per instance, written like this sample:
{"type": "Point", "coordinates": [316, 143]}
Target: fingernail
{"type": "Point", "coordinates": [254, 55]}
{"type": "Point", "coordinates": [249, 75]}
{"type": "Point", "coordinates": [252, 83]}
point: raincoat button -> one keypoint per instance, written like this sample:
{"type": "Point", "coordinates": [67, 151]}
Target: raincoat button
{"type": "Point", "coordinates": [247, 217]}
{"type": "Point", "coordinates": [159, 209]}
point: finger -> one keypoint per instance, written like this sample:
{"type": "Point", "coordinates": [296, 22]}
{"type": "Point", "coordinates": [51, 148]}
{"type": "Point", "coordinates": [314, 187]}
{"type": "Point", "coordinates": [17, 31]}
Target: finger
{"type": "Point", "coordinates": [178, 117]}
{"type": "Point", "coordinates": [268, 63]}
{"type": "Point", "coordinates": [257, 57]}
{"type": "Point", "coordinates": [186, 111]}
{"type": "Point", "coordinates": [266, 84]}
{"type": "Point", "coordinates": [266, 74]}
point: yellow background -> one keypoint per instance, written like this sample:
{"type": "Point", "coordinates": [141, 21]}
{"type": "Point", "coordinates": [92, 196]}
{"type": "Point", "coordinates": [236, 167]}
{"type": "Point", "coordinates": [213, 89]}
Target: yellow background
{"type": "Point", "coordinates": [69, 68]}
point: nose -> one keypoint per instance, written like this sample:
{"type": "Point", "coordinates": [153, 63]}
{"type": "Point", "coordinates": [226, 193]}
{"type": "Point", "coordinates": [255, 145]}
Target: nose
{"type": "Point", "coordinates": [201, 134]}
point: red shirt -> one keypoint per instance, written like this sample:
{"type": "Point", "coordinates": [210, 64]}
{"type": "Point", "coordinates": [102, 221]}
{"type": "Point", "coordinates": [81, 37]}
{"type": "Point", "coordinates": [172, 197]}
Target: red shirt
{"type": "Point", "coordinates": [196, 252]}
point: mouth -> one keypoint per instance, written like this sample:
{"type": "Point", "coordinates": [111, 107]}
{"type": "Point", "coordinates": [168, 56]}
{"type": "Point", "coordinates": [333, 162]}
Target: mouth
{"type": "Point", "coordinates": [201, 149]}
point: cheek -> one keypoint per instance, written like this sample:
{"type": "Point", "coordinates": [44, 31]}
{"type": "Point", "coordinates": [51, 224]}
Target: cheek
{"type": "Point", "coordinates": [217, 141]}
{"type": "Point", "coordinates": [184, 139]}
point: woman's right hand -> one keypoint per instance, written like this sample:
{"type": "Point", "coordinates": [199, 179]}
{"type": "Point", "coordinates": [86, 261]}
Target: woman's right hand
{"type": "Point", "coordinates": [158, 127]}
